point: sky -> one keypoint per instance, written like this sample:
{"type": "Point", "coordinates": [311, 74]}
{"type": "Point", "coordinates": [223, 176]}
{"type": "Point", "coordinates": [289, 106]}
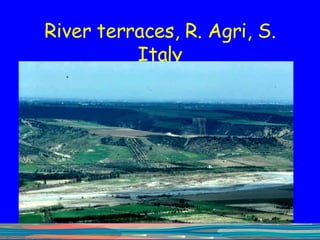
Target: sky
{"type": "Point", "coordinates": [158, 81]}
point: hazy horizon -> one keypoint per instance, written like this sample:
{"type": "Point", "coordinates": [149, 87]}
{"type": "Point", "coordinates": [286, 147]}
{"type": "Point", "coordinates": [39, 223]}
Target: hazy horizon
{"type": "Point", "coordinates": [185, 82]}
{"type": "Point", "coordinates": [86, 100]}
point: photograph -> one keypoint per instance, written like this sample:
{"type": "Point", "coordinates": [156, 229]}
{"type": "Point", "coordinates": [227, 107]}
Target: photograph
{"type": "Point", "coordinates": [156, 142]}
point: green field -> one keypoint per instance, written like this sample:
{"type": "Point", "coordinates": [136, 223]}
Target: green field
{"type": "Point", "coordinates": [121, 209]}
{"type": "Point", "coordinates": [165, 153]}
{"type": "Point", "coordinates": [23, 167]}
{"type": "Point", "coordinates": [100, 152]}
{"type": "Point", "coordinates": [30, 218]}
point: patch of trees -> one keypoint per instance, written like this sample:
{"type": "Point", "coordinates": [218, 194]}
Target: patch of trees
{"type": "Point", "coordinates": [78, 176]}
{"type": "Point", "coordinates": [112, 218]}
{"type": "Point", "coordinates": [259, 116]}
{"type": "Point", "coordinates": [176, 142]}
{"type": "Point", "coordinates": [210, 145]}
{"type": "Point", "coordinates": [180, 203]}
{"type": "Point", "coordinates": [113, 141]}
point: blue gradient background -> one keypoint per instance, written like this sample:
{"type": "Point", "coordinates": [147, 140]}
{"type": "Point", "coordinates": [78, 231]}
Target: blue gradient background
{"type": "Point", "coordinates": [294, 24]}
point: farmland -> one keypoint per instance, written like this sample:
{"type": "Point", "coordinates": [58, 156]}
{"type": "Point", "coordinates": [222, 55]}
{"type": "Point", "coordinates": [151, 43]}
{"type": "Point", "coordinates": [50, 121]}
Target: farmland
{"type": "Point", "coordinates": [154, 162]}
